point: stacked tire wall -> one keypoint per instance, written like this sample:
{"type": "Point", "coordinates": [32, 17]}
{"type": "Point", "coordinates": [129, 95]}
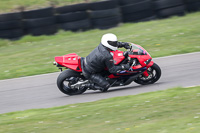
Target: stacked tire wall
{"type": "Point", "coordinates": [105, 14]}
{"type": "Point", "coordinates": [192, 5]}
{"type": "Point", "coordinates": [40, 22]}
{"type": "Point", "coordinates": [80, 17]}
{"type": "Point", "coordinates": [137, 10]}
{"type": "Point", "coordinates": [73, 17]}
{"type": "Point", "coordinates": [11, 25]}
{"type": "Point", "coordinates": [166, 8]}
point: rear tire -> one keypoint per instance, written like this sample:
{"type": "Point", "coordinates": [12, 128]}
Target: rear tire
{"type": "Point", "coordinates": [68, 78]}
{"type": "Point", "coordinates": [154, 75]}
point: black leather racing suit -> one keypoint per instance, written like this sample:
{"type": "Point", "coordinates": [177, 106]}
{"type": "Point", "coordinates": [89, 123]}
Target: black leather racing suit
{"type": "Point", "coordinates": [96, 62]}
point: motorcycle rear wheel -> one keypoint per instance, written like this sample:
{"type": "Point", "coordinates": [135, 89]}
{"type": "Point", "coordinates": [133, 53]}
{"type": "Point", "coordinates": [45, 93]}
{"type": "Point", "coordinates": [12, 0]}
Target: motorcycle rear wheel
{"type": "Point", "coordinates": [68, 78]}
{"type": "Point", "coordinates": [154, 75]}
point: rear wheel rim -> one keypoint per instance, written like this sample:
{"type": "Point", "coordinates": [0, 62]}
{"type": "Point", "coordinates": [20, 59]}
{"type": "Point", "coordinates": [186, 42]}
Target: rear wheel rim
{"type": "Point", "coordinates": [68, 82]}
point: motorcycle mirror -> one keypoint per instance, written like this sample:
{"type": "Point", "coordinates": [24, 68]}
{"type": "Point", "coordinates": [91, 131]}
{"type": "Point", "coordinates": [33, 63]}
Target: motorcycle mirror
{"type": "Point", "coordinates": [130, 48]}
{"type": "Point", "coordinates": [125, 54]}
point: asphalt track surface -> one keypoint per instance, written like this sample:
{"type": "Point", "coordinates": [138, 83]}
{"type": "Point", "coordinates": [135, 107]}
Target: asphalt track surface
{"type": "Point", "coordinates": [40, 91]}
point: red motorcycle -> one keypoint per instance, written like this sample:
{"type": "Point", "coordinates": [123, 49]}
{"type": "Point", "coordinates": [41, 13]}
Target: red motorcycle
{"type": "Point", "coordinates": [142, 71]}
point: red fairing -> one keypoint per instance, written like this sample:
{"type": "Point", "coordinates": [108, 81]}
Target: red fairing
{"type": "Point", "coordinates": [71, 61]}
{"type": "Point", "coordinates": [118, 56]}
{"type": "Point", "coordinates": [137, 67]}
{"type": "Point", "coordinates": [150, 64]}
{"type": "Point", "coordinates": [141, 58]}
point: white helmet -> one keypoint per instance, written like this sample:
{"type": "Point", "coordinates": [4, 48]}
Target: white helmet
{"type": "Point", "coordinates": [110, 41]}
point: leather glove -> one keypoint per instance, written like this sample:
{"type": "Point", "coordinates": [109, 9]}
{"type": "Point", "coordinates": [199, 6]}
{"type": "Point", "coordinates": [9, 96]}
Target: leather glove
{"type": "Point", "coordinates": [126, 66]}
{"type": "Point", "coordinates": [123, 44]}
{"type": "Point", "coordinates": [126, 45]}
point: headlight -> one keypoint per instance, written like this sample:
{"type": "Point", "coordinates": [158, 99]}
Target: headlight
{"type": "Point", "coordinates": [147, 61]}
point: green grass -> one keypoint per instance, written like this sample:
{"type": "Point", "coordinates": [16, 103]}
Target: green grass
{"type": "Point", "coordinates": [34, 55]}
{"type": "Point", "coordinates": [15, 5]}
{"type": "Point", "coordinates": [171, 111]}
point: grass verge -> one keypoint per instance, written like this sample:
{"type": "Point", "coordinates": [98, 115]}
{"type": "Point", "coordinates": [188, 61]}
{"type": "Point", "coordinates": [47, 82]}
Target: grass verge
{"type": "Point", "coordinates": [34, 55]}
{"type": "Point", "coordinates": [170, 111]}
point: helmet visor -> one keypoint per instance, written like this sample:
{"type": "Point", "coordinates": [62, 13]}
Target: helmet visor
{"type": "Point", "coordinates": [113, 43]}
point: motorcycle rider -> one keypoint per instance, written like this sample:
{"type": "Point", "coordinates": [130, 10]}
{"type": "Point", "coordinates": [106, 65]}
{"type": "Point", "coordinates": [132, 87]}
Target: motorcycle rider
{"type": "Point", "coordinates": [100, 58]}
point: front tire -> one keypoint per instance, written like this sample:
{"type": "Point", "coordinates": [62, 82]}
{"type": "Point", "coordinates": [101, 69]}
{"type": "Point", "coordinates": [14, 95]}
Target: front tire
{"type": "Point", "coordinates": [154, 75]}
{"type": "Point", "coordinates": [68, 78]}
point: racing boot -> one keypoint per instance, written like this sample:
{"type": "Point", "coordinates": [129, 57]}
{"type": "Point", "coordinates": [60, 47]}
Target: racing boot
{"type": "Point", "coordinates": [100, 88]}
{"type": "Point", "coordinates": [95, 87]}
{"type": "Point", "coordinates": [100, 82]}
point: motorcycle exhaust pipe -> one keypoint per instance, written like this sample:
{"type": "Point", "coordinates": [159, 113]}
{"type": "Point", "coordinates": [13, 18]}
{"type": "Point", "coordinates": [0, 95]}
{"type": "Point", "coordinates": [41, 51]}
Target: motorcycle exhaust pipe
{"type": "Point", "coordinates": [55, 63]}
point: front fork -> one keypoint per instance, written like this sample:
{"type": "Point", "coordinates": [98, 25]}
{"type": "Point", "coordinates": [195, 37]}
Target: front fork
{"type": "Point", "coordinates": [145, 73]}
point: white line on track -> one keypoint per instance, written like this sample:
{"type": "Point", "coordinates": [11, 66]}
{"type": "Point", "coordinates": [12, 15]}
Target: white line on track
{"type": "Point", "coordinates": [191, 86]}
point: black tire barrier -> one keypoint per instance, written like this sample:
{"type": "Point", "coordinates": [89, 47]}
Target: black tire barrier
{"type": "Point", "coordinates": [10, 16]}
{"type": "Point", "coordinates": [137, 16]}
{"type": "Point", "coordinates": [106, 22]}
{"type": "Point", "coordinates": [32, 23]}
{"type": "Point", "coordinates": [76, 25]}
{"type": "Point", "coordinates": [178, 10]}
{"type": "Point", "coordinates": [104, 13]}
{"type": "Point", "coordinates": [11, 34]}
{"type": "Point", "coordinates": [38, 13]}
{"type": "Point", "coordinates": [6, 25]}
{"type": "Point", "coordinates": [191, 7]}
{"type": "Point", "coordinates": [44, 30]}
{"type": "Point", "coordinates": [127, 2]}
{"type": "Point", "coordinates": [191, 1]}
{"type": "Point", "coordinates": [103, 5]}
{"type": "Point", "coordinates": [148, 19]}
{"type": "Point", "coordinates": [162, 4]}
{"type": "Point", "coordinates": [136, 7]}
{"type": "Point", "coordinates": [72, 8]}
{"type": "Point", "coordinates": [107, 18]}
{"type": "Point", "coordinates": [73, 16]}
{"type": "Point", "coordinates": [107, 26]}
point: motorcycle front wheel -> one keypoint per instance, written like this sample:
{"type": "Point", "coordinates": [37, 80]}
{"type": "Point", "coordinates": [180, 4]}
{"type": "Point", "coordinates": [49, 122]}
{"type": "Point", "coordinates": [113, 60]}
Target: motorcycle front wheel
{"type": "Point", "coordinates": [68, 78]}
{"type": "Point", "coordinates": [154, 75]}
